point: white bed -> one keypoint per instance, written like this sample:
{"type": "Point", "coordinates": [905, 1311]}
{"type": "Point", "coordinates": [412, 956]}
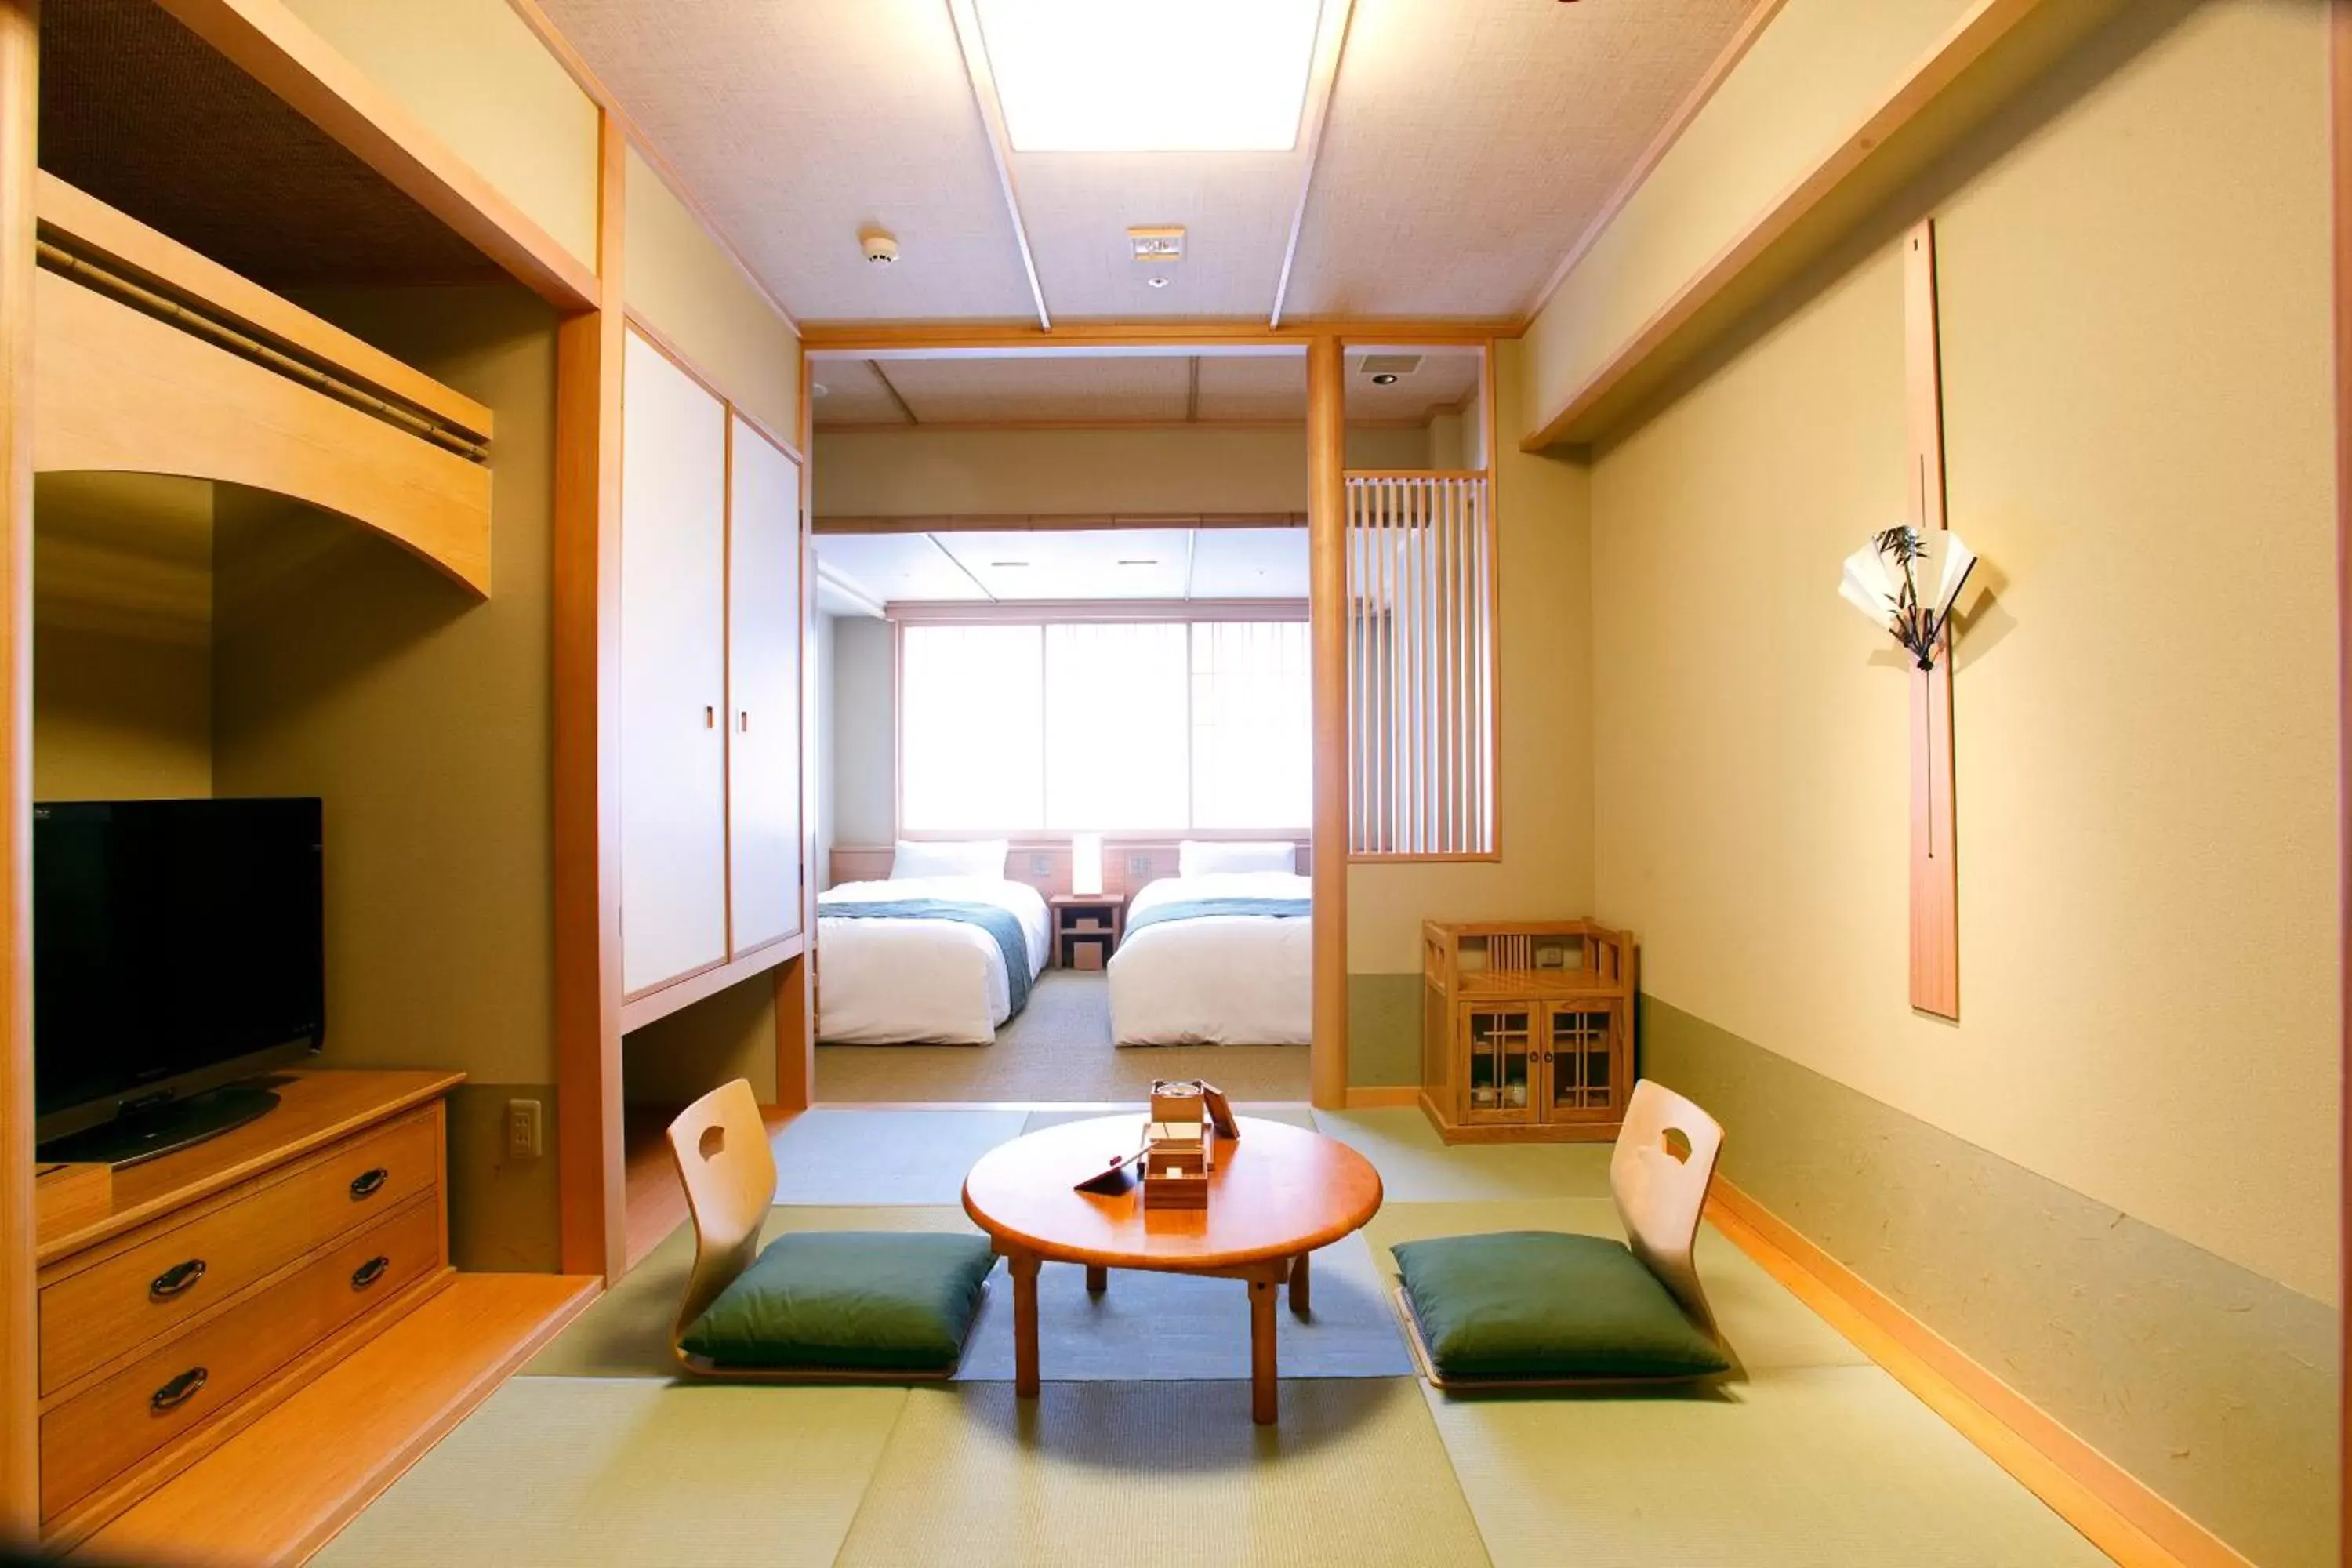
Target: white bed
{"type": "Point", "coordinates": [890, 982]}
{"type": "Point", "coordinates": [1218, 980]}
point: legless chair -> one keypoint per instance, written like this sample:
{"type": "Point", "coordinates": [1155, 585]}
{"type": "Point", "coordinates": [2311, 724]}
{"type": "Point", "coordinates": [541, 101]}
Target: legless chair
{"type": "Point", "coordinates": [721, 1148]}
{"type": "Point", "coordinates": [1658, 1174]}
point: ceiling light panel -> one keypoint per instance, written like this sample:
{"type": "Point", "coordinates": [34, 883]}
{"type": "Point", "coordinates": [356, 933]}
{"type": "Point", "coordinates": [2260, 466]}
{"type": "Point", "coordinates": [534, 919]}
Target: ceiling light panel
{"type": "Point", "coordinates": [1132, 76]}
{"type": "Point", "coordinates": [893, 568]}
{"type": "Point", "coordinates": [1015, 389]}
{"type": "Point", "coordinates": [1249, 563]}
{"type": "Point", "coordinates": [1075, 563]}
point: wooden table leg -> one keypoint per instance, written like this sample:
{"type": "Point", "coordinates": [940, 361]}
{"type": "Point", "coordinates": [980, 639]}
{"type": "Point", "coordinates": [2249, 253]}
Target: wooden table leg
{"type": "Point", "coordinates": [1097, 1279]}
{"type": "Point", "coordinates": [1300, 1299]}
{"type": "Point", "coordinates": [1024, 1325]}
{"type": "Point", "coordinates": [1262, 1385]}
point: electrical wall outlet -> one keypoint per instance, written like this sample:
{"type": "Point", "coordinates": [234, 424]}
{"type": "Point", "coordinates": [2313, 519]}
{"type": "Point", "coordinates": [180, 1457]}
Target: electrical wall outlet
{"type": "Point", "coordinates": [522, 1130]}
{"type": "Point", "coordinates": [1138, 866]}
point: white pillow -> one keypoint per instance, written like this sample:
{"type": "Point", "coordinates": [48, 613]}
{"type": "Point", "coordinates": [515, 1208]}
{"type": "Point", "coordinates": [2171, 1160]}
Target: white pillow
{"type": "Point", "coordinates": [962, 857]}
{"type": "Point", "coordinates": [1209, 857]}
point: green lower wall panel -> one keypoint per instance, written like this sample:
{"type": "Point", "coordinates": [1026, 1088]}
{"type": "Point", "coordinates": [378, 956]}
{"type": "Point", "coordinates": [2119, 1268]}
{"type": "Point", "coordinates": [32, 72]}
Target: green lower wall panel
{"type": "Point", "coordinates": [504, 1213]}
{"type": "Point", "coordinates": [2215, 1387]}
{"type": "Point", "coordinates": [1383, 1030]}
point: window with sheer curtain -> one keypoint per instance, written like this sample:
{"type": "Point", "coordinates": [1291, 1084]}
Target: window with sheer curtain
{"type": "Point", "coordinates": [1118, 726]}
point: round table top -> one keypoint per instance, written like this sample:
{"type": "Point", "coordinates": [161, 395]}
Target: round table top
{"type": "Point", "coordinates": [1276, 1191]}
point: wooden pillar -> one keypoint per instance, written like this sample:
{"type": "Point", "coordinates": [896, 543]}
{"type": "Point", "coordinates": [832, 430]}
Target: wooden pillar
{"type": "Point", "coordinates": [587, 748]}
{"type": "Point", "coordinates": [1327, 524]}
{"type": "Point", "coordinates": [19, 100]}
{"type": "Point", "coordinates": [2339, 49]}
{"type": "Point", "coordinates": [795, 980]}
{"type": "Point", "coordinates": [1935, 871]}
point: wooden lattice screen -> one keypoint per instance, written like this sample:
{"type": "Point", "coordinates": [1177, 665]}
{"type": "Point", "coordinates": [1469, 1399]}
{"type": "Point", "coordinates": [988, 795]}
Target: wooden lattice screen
{"type": "Point", "coordinates": [1420, 666]}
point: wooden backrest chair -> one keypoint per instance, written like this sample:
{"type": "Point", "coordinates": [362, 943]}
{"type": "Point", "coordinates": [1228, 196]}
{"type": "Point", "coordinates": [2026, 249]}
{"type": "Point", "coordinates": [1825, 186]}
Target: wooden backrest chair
{"type": "Point", "coordinates": [720, 1144]}
{"type": "Point", "coordinates": [1659, 1175]}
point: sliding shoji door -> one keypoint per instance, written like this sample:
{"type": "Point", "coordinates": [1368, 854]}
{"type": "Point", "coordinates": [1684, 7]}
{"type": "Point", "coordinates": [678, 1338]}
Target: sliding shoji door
{"type": "Point", "coordinates": [673, 671]}
{"type": "Point", "coordinates": [763, 685]}
{"type": "Point", "coordinates": [1420, 666]}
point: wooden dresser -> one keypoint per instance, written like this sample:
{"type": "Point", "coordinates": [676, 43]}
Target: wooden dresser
{"type": "Point", "coordinates": [222, 1278]}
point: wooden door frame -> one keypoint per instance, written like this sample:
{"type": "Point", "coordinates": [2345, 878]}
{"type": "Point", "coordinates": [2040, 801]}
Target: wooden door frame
{"type": "Point", "coordinates": [19, 129]}
{"type": "Point", "coordinates": [2339, 95]}
{"type": "Point", "coordinates": [1323, 348]}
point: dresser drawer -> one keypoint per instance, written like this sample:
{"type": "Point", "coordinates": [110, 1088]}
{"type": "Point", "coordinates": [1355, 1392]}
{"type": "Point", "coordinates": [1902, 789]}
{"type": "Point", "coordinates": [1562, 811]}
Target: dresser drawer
{"type": "Point", "coordinates": [167, 1278]}
{"type": "Point", "coordinates": [103, 1431]}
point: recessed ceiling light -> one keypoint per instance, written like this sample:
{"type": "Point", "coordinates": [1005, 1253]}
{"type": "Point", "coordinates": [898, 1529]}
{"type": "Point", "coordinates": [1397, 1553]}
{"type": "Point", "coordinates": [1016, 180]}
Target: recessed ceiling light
{"type": "Point", "coordinates": [1119, 76]}
{"type": "Point", "coordinates": [1157, 282]}
{"type": "Point", "coordinates": [1386, 378]}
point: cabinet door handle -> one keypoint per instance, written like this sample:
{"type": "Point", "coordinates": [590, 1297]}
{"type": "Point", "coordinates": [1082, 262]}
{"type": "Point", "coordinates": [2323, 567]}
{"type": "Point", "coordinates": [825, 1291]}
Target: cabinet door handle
{"type": "Point", "coordinates": [710, 716]}
{"type": "Point", "coordinates": [179, 1390]}
{"type": "Point", "coordinates": [367, 1183]}
{"type": "Point", "coordinates": [175, 1279]}
{"type": "Point", "coordinates": [743, 721]}
{"type": "Point", "coordinates": [368, 1273]}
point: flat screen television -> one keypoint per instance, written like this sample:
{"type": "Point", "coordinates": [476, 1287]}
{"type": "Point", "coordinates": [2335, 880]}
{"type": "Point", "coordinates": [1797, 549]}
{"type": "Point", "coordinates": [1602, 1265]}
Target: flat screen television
{"type": "Point", "coordinates": [178, 946]}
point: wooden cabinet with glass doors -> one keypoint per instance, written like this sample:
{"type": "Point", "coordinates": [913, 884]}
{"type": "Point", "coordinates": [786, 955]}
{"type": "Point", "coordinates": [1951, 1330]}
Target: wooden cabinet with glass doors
{"type": "Point", "coordinates": [1526, 1030]}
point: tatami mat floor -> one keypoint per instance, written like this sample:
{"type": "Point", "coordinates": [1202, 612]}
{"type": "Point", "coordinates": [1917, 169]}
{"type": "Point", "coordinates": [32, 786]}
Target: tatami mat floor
{"type": "Point", "coordinates": [1141, 1443]}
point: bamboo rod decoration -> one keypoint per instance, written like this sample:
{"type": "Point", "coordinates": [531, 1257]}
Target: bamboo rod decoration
{"type": "Point", "coordinates": [139, 297]}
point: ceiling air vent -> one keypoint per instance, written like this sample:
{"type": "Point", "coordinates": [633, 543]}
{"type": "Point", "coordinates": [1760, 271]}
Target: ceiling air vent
{"type": "Point", "coordinates": [1390, 364]}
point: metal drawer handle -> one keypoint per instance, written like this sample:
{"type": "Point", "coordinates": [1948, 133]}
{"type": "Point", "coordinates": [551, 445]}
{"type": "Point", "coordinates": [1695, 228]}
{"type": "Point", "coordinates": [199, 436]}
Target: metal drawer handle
{"type": "Point", "coordinates": [365, 1184]}
{"type": "Point", "coordinates": [179, 1390]}
{"type": "Point", "coordinates": [368, 1273]}
{"type": "Point", "coordinates": [175, 1279]}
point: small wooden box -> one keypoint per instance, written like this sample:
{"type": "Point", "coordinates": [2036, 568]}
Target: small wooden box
{"type": "Point", "coordinates": [1174, 1186]}
{"type": "Point", "coordinates": [66, 1196]}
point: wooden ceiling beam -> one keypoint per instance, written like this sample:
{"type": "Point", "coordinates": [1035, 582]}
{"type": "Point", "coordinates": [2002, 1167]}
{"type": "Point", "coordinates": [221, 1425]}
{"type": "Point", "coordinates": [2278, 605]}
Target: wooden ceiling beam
{"type": "Point", "coordinates": [950, 339]}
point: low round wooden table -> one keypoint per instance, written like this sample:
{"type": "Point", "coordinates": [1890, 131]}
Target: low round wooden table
{"type": "Point", "coordinates": [1277, 1193]}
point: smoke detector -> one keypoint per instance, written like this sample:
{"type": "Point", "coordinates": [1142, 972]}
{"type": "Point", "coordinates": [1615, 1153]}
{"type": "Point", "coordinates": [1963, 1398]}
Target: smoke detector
{"type": "Point", "coordinates": [880, 249]}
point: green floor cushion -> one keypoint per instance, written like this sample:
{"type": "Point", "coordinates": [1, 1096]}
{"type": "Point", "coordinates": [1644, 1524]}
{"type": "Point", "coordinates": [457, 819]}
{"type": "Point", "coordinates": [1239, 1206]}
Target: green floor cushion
{"type": "Point", "coordinates": [848, 1300]}
{"type": "Point", "coordinates": [1537, 1304]}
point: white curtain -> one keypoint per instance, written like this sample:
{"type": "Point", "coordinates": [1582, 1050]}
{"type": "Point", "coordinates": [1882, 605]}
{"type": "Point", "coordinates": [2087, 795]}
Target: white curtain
{"type": "Point", "coordinates": [972, 728]}
{"type": "Point", "coordinates": [1134, 727]}
{"type": "Point", "coordinates": [1253, 730]}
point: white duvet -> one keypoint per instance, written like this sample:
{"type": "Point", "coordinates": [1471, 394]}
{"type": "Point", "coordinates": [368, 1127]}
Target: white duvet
{"type": "Point", "coordinates": [890, 982]}
{"type": "Point", "coordinates": [1224, 979]}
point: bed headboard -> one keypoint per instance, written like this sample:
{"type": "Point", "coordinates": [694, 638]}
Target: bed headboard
{"type": "Point", "coordinates": [1044, 863]}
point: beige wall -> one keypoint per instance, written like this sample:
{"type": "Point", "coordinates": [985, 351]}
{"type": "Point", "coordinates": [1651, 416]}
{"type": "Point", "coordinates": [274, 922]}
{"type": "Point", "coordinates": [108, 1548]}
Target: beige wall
{"type": "Point", "coordinates": [1816, 72]}
{"type": "Point", "coordinates": [122, 637]}
{"type": "Point", "coordinates": [861, 760]}
{"type": "Point", "coordinates": [679, 280]}
{"type": "Point", "coordinates": [1544, 807]}
{"type": "Point", "coordinates": [349, 669]}
{"type": "Point", "coordinates": [2136, 312]}
{"type": "Point", "coordinates": [931, 473]}
{"type": "Point", "coordinates": [473, 75]}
